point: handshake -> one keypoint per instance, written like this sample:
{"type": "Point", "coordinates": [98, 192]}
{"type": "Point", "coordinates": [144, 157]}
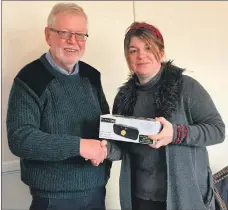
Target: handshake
{"type": "Point", "coordinates": [93, 150]}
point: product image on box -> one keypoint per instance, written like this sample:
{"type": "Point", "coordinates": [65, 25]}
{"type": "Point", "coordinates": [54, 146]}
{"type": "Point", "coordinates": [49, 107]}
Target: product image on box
{"type": "Point", "coordinates": [128, 128]}
{"type": "Point", "coordinates": [126, 131]}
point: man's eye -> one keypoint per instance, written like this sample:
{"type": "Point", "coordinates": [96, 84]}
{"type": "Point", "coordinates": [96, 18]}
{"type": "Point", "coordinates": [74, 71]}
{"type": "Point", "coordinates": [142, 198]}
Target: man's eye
{"type": "Point", "coordinates": [80, 35]}
{"type": "Point", "coordinates": [64, 33]}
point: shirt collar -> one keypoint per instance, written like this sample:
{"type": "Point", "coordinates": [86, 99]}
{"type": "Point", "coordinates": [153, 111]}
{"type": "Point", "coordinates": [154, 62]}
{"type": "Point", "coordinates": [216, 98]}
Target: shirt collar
{"type": "Point", "coordinates": [58, 68]}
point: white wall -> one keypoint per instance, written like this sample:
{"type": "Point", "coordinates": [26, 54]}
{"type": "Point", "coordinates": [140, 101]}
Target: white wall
{"type": "Point", "coordinates": [195, 35]}
{"type": "Point", "coordinates": [196, 38]}
{"type": "Point", "coordinates": [23, 41]}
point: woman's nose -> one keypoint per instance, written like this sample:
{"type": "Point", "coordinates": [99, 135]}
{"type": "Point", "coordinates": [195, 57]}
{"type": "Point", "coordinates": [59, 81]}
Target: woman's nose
{"type": "Point", "coordinates": [141, 54]}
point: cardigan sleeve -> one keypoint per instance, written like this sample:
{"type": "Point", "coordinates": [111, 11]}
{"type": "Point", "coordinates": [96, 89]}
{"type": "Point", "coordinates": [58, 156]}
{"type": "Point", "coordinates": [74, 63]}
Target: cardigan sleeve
{"type": "Point", "coordinates": [114, 152]}
{"type": "Point", "coordinates": [25, 138]}
{"type": "Point", "coordinates": [206, 126]}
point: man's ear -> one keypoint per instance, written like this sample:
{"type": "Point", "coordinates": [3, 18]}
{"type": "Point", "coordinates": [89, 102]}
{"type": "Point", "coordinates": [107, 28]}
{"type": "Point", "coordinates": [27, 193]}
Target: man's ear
{"type": "Point", "coordinates": [47, 35]}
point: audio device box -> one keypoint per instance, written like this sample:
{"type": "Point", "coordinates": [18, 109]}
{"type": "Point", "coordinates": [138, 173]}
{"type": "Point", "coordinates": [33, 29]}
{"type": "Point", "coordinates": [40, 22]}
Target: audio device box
{"type": "Point", "coordinates": [128, 129]}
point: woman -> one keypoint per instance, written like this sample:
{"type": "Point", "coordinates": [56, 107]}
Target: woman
{"type": "Point", "coordinates": [174, 173]}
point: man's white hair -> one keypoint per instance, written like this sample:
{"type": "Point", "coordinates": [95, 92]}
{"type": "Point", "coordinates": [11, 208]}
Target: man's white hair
{"type": "Point", "coordinates": [67, 8]}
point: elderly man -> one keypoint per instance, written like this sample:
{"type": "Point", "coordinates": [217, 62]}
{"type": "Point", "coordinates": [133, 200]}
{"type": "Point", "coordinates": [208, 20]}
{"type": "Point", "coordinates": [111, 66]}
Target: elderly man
{"type": "Point", "coordinates": [53, 119]}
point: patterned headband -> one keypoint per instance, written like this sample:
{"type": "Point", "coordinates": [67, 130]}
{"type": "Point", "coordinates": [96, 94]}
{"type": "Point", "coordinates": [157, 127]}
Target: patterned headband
{"type": "Point", "coordinates": [149, 27]}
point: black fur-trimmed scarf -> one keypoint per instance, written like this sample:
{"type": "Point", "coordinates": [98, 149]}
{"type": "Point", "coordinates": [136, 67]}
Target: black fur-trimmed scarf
{"type": "Point", "coordinates": [167, 95]}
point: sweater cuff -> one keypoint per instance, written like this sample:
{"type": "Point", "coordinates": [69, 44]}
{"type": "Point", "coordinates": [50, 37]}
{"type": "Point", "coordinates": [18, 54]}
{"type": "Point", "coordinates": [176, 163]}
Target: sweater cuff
{"type": "Point", "coordinates": [109, 145]}
{"type": "Point", "coordinates": [180, 133]}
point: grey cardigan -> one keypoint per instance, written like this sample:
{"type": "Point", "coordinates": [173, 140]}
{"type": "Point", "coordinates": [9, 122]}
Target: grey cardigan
{"type": "Point", "coordinates": [196, 121]}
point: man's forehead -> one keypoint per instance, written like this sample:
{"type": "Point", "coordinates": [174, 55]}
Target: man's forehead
{"type": "Point", "coordinates": [70, 16]}
{"type": "Point", "coordinates": [71, 21]}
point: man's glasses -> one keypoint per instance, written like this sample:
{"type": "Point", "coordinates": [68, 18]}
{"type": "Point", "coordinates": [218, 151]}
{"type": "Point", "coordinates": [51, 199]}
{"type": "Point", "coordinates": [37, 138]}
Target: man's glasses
{"type": "Point", "coordinates": [67, 35]}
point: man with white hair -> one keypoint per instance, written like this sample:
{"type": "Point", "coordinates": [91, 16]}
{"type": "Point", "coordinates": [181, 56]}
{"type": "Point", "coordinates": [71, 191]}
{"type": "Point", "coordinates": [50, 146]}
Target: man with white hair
{"type": "Point", "coordinates": [53, 119]}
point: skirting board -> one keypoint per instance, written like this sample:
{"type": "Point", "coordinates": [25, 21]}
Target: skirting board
{"type": "Point", "coordinates": [10, 166]}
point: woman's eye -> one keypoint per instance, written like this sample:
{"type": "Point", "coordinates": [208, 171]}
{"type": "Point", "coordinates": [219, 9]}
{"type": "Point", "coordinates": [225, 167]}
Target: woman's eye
{"type": "Point", "coordinates": [132, 51]}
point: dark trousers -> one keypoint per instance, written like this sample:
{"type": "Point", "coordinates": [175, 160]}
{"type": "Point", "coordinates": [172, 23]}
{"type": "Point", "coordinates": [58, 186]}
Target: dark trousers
{"type": "Point", "coordinates": [94, 201]}
{"type": "Point", "coordinates": [139, 204]}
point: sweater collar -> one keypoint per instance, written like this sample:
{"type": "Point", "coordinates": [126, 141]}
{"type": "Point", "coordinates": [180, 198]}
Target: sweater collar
{"type": "Point", "coordinates": [149, 84]}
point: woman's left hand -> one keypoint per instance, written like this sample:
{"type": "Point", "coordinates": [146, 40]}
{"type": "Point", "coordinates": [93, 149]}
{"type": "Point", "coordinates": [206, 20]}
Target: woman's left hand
{"type": "Point", "coordinates": [165, 137]}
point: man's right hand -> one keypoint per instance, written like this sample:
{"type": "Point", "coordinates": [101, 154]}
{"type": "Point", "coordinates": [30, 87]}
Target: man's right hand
{"type": "Point", "coordinates": [93, 150]}
{"type": "Point", "coordinates": [104, 146]}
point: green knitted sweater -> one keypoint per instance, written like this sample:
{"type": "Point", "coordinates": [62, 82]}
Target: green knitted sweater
{"type": "Point", "coordinates": [48, 114]}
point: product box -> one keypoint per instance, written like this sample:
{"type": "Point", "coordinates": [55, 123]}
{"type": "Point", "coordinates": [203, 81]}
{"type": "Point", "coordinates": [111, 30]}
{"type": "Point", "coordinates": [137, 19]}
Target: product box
{"type": "Point", "coordinates": [128, 129]}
